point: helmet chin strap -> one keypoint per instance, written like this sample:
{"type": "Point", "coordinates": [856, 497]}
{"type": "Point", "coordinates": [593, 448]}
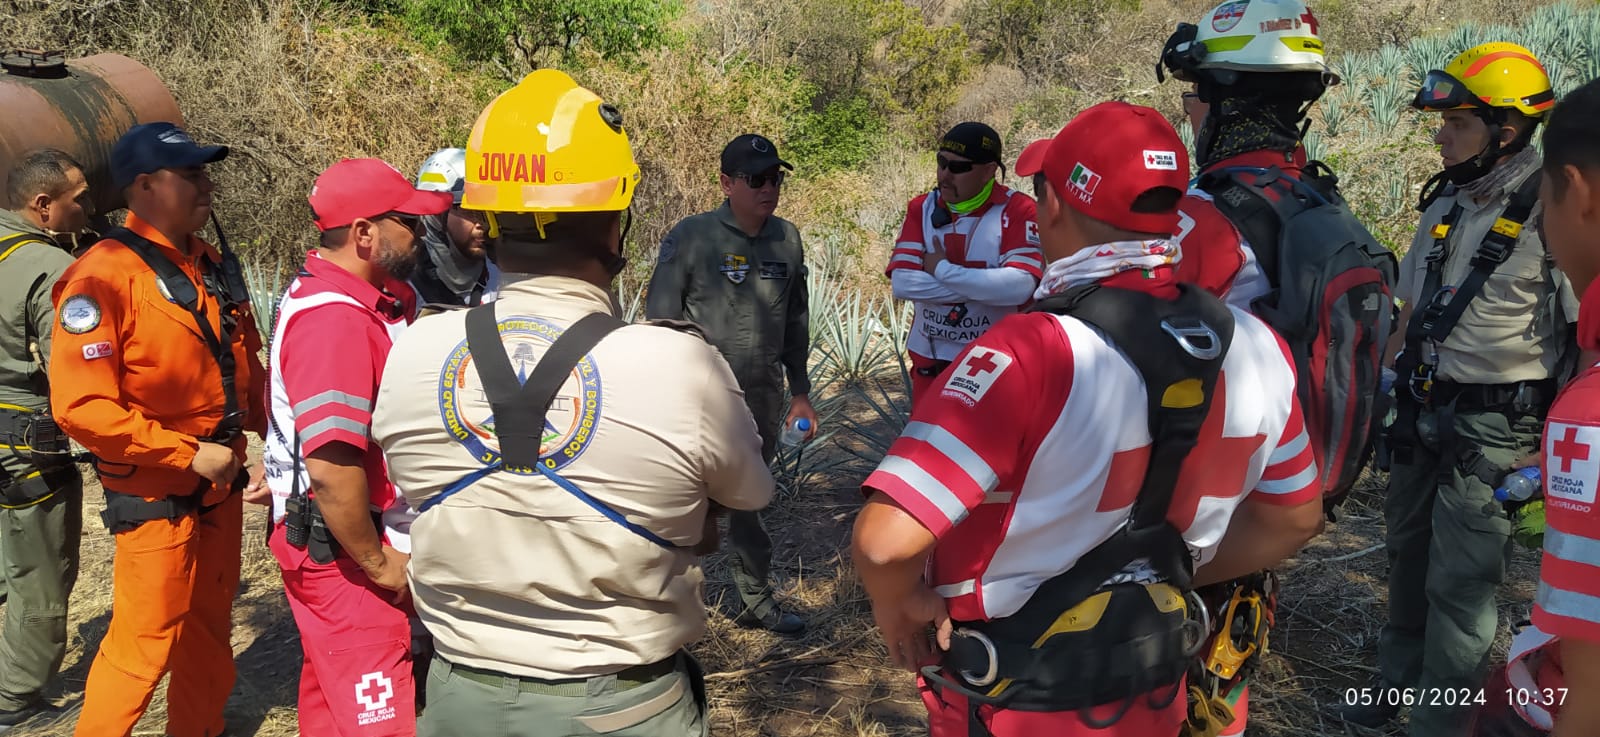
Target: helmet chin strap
{"type": "Point", "coordinates": [1480, 165]}
{"type": "Point", "coordinates": [1475, 167]}
{"type": "Point", "coordinates": [614, 263]}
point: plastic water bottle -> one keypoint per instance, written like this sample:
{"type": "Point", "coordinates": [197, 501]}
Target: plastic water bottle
{"type": "Point", "coordinates": [1519, 485]}
{"type": "Point", "coordinates": [793, 434]}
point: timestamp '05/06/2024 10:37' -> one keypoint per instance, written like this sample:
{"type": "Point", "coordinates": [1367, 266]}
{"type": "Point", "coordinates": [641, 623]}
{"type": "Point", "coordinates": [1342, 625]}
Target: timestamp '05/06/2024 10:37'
{"type": "Point", "coordinates": [1451, 696]}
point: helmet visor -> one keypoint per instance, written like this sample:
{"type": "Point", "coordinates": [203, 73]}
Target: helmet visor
{"type": "Point", "coordinates": [1441, 92]}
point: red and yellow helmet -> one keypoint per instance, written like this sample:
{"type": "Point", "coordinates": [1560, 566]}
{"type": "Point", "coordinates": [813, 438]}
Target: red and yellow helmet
{"type": "Point", "coordinates": [1489, 77]}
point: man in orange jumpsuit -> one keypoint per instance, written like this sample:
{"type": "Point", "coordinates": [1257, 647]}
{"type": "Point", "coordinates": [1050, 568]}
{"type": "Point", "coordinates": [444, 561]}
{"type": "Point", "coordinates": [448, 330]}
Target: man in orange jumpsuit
{"type": "Point", "coordinates": [156, 373]}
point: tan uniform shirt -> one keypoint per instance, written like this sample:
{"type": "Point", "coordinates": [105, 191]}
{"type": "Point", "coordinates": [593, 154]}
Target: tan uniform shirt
{"type": "Point", "coordinates": [514, 574]}
{"type": "Point", "coordinates": [1509, 332]}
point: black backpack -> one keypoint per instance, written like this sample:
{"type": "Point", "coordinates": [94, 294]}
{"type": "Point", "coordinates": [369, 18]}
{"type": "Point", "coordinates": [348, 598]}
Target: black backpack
{"type": "Point", "coordinates": [1331, 301]}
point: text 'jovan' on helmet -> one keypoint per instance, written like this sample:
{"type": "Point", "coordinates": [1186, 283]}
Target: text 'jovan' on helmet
{"type": "Point", "coordinates": [1249, 36]}
{"type": "Point", "coordinates": [1489, 77]}
{"type": "Point", "coordinates": [549, 145]}
{"type": "Point", "coordinates": [444, 171]}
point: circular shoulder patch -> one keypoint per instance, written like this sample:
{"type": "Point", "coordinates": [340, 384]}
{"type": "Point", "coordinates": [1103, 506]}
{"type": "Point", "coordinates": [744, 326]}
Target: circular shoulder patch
{"type": "Point", "coordinates": [80, 314]}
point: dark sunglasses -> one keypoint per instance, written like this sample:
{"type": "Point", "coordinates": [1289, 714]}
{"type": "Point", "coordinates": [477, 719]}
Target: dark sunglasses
{"type": "Point", "coordinates": [757, 181]}
{"type": "Point", "coordinates": [412, 223]}
{"type": "Point", "coordinates": [955, 167]}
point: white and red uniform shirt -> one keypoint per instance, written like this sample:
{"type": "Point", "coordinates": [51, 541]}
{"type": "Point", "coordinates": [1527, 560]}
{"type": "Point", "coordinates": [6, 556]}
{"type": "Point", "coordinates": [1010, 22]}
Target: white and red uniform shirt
{"type": "Point", "coordinates": [1568, 602]}
{"type": "Point", "coordinates": [1216, 256]}
{"type": "Point", "coordinates": [323, 380]}
{"type": "Point", "coordinates": [1034, 449]}
{"type": "Point", "coordinates": [992, 266]}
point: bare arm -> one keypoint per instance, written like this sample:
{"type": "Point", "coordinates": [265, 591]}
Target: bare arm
{"type": "Point", "coordinates": [1260, 535]}
{"type": "Point", "coordinates": [890, 551]}
{"type": "Point", "coordinates": [340, 480]}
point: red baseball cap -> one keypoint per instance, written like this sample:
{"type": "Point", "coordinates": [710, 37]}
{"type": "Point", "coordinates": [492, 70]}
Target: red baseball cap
{"type": "Point", "coordinates": [1031, 160]}
{"type": "Point", "coordinates": [1108, 156]}
{"type": "Point", "coordinates": [367, 188]}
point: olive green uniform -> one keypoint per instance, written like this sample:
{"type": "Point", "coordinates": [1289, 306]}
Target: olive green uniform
{"type": "Point", "coordinates": [749, 295]}
{"type": "Point", "coordinates": [41, 512]}
{"type": "Point", "coordinates": [1448, 540]}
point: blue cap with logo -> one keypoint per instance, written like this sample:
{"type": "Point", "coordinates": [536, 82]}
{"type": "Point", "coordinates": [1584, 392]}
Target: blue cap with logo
{"type": "Point", "coordinates": [151, 147]}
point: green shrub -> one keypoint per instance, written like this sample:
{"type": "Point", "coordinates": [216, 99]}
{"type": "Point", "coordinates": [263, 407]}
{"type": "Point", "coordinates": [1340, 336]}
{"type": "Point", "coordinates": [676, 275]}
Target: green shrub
{"type": "Point", "coordinates": [845, 134]}
{"type": "Point", "coordinates": [521, 35]}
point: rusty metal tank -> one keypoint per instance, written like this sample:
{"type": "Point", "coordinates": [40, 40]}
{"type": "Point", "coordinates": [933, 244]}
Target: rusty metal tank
{"type": "Point", "coordinates": [80, 106]}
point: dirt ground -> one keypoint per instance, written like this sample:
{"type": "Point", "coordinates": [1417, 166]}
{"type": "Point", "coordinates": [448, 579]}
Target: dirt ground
{"type": "Point", "coordinates": [835, 680]}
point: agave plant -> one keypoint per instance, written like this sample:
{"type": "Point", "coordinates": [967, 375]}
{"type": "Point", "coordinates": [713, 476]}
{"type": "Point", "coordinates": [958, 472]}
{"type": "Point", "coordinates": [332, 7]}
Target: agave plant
{"type": "Point", "coordinates": [1314, 146]}
{"type": "Point", "coordinates": [1386, 100]}
{"type": "Point", "coordinates": [1186, 133]}
{"type": "Point", "coordinates": [1335, 112]}
{"type": "Point", "coordinates": [855, 351]}
{"type": "Point", "coordinates": [1391, 63]}
{"type": "Point", "coordinates": [1398, 196]}
{"type": "Point", "coordinates": [266, 286]}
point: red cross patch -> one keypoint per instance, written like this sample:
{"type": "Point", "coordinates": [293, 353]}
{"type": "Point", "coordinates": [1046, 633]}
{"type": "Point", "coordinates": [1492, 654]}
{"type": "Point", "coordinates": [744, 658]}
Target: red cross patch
{"type": "Point", "coordinates": [1572, 465]}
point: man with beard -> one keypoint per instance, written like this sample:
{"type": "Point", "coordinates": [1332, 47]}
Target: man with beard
{"type": "Point", "coordinates": [339, 526]}
{"type": "Point", "coordinates": [740, 272]}
{"type": "Point", "coordinates": [967, 254]}
{"type": "Point", "coordinates": [453, 265]}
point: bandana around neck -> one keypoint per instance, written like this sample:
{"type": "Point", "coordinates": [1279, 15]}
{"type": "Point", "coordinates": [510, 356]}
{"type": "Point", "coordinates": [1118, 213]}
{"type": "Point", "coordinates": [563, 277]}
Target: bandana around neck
{"type": "Point", "coordinates": [1107, 259]}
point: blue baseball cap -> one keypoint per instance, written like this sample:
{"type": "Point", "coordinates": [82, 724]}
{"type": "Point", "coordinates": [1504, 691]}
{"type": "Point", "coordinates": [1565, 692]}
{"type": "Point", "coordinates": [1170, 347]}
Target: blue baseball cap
{"type": "Point", "coordinates": [151, 147]}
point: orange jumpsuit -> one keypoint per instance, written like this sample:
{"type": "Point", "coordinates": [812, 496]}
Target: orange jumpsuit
{"type": "Point", "coordinates": [134, 382]}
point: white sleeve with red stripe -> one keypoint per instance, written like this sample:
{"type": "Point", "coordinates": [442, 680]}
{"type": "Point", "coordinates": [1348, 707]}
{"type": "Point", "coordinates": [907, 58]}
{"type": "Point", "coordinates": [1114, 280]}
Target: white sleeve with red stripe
{"type": "Point", "coordinates": [908, 248]}
{"type": "Point", "coordinates": [1019, 236]}
{"type": "Point", "coordinates": [1290, 478]}
{"type": "Point", "coordinates": [964, 441]}
{"type": "Point", "coordinates": [919, 286]}
{"type": "Point", "coordinates": [1568, 602]}
{"type": "Point", "coordinates": [329, 376]}
{"type": "Point", "coordinates": [1291, 474]}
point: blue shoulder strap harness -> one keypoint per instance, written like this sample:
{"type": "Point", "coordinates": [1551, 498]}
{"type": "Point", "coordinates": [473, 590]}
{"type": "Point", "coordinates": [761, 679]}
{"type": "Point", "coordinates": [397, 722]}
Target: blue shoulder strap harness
{"type": "Point", "coordinates": [519, 408]}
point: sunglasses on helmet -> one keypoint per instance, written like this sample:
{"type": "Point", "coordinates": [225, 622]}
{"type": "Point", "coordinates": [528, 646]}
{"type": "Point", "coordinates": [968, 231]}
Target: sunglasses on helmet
{"type": "Point", "coordinates": [955, 167]}
{"type": "Point", "coordinates": [1441, 92]}
{"type": "Point", "coordinates": [757, 181]}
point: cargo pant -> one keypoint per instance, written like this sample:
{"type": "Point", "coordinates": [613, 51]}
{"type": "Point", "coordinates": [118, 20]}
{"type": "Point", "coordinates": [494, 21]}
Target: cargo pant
{"type": "Point", "coordinates": [356, 679]}
{"type": "Point", "coordinates": [173, 583]}
{"type": "Point", "coordinates": [465, 703]}
{"type": "Point", "coordinates": [1449, 543]}
{"type": "Point", "coordinates": [751, 561]}
{"type": "Point", "coordinates": [39, 543]}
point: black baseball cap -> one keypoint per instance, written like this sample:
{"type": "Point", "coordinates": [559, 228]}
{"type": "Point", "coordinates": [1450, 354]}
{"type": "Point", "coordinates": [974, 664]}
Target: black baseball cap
{"type": "Point", "coordinates": [151, 147]}
{"type": "Point", "coordinates": [975, 141]}
{"type": "Point", "coordinates": [751, 153]}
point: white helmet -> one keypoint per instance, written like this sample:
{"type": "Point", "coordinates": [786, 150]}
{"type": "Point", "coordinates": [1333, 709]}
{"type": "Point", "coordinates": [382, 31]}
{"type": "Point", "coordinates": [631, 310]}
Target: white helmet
{"type": "Point", "coordinates": [444, 171]}
{"type": "Point", "coordinates": [1249, 36]}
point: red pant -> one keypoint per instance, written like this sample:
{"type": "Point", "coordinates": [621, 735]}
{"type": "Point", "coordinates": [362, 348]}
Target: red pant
{"type": "Point", "coordinates": [948, 716]}
{"type": "Point", "coordinates": [173, 583]}
{"type": "Point", "coordinates": [356, 680]}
